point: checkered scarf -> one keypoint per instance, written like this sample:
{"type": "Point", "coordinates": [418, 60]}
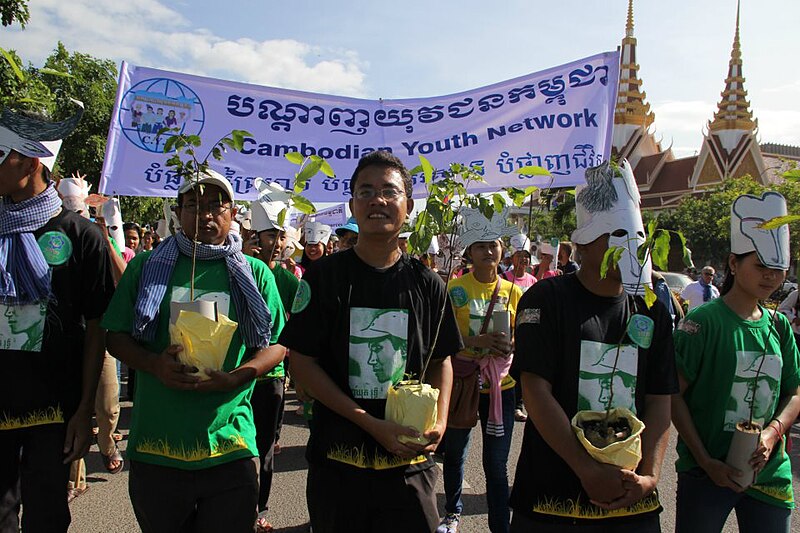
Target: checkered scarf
{"type": "Point", "coordinates": [254, 317]}
{"type": "Point", "coordinates": [24, 272]}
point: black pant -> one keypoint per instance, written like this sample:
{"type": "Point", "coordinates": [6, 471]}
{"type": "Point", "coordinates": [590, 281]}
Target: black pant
{"type": "Point", "coordinates": [170, 500]}
{"type": "Point", "coordinates": [267, 401]}
{"type": "Point", "coordinates": [364, 501]}
{"type": "Point", "coordinates": [32, 471]}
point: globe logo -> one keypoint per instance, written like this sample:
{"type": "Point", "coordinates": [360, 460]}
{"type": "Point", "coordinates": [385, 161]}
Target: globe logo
{"type": "Point", "coordinates": [157, 103]}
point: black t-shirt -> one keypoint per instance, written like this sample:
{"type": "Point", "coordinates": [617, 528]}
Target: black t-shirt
{"type": "Point", "coordinates": [42, 345]}
{"type": "Point", "coordinates": [367, 328]}
{"type": "Point", "coordinates": [568, 336]}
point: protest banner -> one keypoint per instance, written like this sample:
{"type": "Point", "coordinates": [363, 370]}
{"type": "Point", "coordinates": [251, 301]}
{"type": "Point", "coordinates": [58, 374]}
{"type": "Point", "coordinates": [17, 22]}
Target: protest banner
{"type": "Point", "coordinates": [560, 119]}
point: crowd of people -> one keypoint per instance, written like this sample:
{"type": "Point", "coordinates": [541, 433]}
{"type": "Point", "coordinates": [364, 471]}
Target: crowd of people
{"type": "Point", "coordinates": [540, 333]}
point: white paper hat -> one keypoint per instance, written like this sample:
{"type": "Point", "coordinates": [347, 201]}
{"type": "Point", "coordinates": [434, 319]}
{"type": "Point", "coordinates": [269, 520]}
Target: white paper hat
{"type": "Point", "coordinates": [244, 216]}
{"type": "Point", "coordinates": [477, 228]}
{"type": "Point", "coordinates": [33, 137]}
{"type": "Point", "coordinates": [433, 248]}
{"type": "Point", "coordinates": [317, 232]}
{"type": "Point", "coordinates": [112, 214]}
{"type": "Point", "coordinates": [520, 243]}
{"type": "Point", "coordinates": [404, 235]}
{"type": "Point", "coordinates": [772, 246]}
{"type": "Point", "coordinates": [271, 200]}
{"type": "Point", "coordinates": [235, 228]}
{"type": "Point", "coordinates": [549, 247]}
{"type": "Point", "coordinates": [73, 187]}
{"type": "Point", "coordinates": [607, 203]}
{"type": "Point", "coordinates": [292, 242]}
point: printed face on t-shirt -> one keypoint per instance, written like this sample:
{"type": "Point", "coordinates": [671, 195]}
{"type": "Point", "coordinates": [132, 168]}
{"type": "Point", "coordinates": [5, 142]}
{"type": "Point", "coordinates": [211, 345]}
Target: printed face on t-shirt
{"type": "Point", "coordinates": [597, 376]}
{"type": "Point", "coordinates": [745, 388]}
{"type": "Point", "coordinates": [22, 327]}
{"type": "Point", "coordinates": [378, 350]}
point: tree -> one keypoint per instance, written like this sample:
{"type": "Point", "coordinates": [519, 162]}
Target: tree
{"type": "Point", "coordinates": [705, 220]}
{"type": "Point", "coordinates": [11, 10]}
{"type": "Point", "coordinates": [93, 81]}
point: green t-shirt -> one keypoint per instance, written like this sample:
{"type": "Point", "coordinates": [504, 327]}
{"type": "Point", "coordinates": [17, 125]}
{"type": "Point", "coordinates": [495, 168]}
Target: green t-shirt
{"type": "Point", "coordinates": [719, 354]}
{"type": "Point", "coordinates": [287, 287]}
{"type": "Point", "coordinates": [191, 430]}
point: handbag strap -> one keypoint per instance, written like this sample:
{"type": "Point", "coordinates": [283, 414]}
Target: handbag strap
{"type": "Point", "coordinates": [489, 310]}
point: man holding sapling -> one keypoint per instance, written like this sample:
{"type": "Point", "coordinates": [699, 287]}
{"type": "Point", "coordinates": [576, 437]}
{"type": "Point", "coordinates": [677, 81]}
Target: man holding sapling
{"type": "Point", "coordinates": [194, 460]}
{"type": "Point", "coordinates": [359, 316]}
{"type": "Point", "coordinates": [574, 334]}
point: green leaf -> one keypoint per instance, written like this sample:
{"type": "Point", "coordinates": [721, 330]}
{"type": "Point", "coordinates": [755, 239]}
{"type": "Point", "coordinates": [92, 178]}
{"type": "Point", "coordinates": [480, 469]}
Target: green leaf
{"type": "Point", "coordinates": [608, 261]}
{"type": "Point", "coordinates": [282, 216]}
{"type": "Point", "coordinates": [777, 222]}
{"type": "Point", "coordinates": [216, 153]}
{"type": "Point", "coordinates": [427, 168]}
{"type": "Point", "coordinates": [416, 170]}
{"type": "Point", "coordinates": [305, 174]}
{"type": "Point", "coordinates": [326, 169]}
{"type": "Point", "coordinates": [13, 64]}
{"type": "Point", "coordinates": [170, 144]}
{"type": "Point", "coordinates": [532, 189]}
{"type": "Point", "coordinates": [660, 252]}
{"type": "Point", "coordinates": [295, 157]}
{"type": "Point", "coordinates": [303, 205]}
{"type": "Point", "coordinates": [54, 72]}
{"type": "Point", "coordinates": [499, 202]}
{"type": "Point", "coordinates": [533, 170]}
{"type": "Point", "coordinates": [649, 296]}
{"type": "Point", "coordinates": [686, 255]}
{"type": "Point", "coordinates": [570, 192]}
{"type": "Point", "coordinates": [651, 227]}
{"type": "Point", "coordinates": [237, 137]}
{"type": "Point", "coordinates": [792, 175]}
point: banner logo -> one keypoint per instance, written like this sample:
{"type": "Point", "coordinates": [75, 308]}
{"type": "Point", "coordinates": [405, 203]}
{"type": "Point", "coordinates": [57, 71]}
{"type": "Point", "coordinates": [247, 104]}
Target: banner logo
{"type": "Point", "coordinates": [158, 103]}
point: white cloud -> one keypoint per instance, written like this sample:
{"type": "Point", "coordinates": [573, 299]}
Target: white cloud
{"type": "Point", "coordinates": [148, 33]}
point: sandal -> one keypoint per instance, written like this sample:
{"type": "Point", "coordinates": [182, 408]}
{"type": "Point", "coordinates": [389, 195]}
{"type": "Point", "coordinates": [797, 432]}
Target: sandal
{"type": "Point", "coordinates": [114, 457]}
{"type": "Point", "coordinates": [73, 493]}
{"type": "Point", "coordinates": [262, 524]}
{"type": "Point", "coordinates": [117, 436]}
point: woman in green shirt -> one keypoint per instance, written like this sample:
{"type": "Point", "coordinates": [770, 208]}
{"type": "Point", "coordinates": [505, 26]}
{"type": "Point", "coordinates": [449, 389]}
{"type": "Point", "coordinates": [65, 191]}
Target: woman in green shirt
{"type": "Point", "coordinates": [736, 361]}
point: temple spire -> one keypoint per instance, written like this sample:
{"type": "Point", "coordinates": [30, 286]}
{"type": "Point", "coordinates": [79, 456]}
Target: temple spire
{"type": "Point", "coordinates": [629, 25]}
{"type": "Point", "coordinates": [733, 110]}
{"type": "Point", "coordinates": [631, 106]}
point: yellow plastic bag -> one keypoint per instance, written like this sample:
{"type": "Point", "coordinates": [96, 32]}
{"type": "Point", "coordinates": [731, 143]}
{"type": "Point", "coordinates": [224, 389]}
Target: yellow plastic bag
{"type": "Point", "coordinates": [412, 404]}
{"type": "Point", "coordinates": [626, 453]}
{"type": "Point", "coordinates": [205, 342]}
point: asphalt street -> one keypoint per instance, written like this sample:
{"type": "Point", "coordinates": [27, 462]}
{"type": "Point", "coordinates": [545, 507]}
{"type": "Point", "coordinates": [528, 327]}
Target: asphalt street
{"type": "Point", "coordinates": [105, 507]}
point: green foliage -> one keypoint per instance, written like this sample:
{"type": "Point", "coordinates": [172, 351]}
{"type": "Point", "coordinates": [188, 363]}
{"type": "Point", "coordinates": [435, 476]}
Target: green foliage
{"type": "Point", "coordinates": [610, 259]}
{"type": "Point", "coordinates": [14, 10]}
{"type": "Point", "coordinates": [141, 210]}
{"type": "Point", "coordinates": [48, 90]}
{"type": "Point", "coordinates": [705, 220]}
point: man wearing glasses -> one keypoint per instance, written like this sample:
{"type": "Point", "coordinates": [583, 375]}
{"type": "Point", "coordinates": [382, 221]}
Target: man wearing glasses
{"type": "Point", "coordinates": [192, 443]}
{"type": "Point", "coordinates": [362, 477]}
{"type": "Point", "coordinates": [702, 290]}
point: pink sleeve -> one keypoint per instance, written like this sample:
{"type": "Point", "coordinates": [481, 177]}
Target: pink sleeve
{"type": "Point", "coordinates": [128, 254]}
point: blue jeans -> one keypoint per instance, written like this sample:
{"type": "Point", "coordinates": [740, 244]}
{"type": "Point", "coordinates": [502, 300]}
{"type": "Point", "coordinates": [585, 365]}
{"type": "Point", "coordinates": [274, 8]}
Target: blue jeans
{"type": "Point", "coordinates": [704, 506]}
{"type": "Point", "coordinates": [495, 459]}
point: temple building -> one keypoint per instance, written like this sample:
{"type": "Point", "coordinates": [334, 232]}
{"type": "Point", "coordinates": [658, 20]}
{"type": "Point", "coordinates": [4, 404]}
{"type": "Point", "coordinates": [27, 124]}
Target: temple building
{"type": "Point", "coordinates": [729, 149]}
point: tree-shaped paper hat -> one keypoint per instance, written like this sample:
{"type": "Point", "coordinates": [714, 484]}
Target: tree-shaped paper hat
{"type": "Point", "coordinates": [33, 137]}
{"type": "Point", "coordinates": [772, 245]}
{"type": "Point", "coordinates": [272, 199]}
{"type": "Point", "coordinates": [477, 228]}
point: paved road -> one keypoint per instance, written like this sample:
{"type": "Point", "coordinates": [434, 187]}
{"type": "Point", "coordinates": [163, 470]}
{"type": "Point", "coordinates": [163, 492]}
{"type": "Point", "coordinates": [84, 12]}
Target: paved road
{"type": "Point", "coordinates": [106, 507]}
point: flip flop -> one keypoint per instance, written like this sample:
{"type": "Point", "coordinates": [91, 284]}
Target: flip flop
{"type": "Point", "coordinates": [117, 436]}
{"type": "Point", "coordinates": [262, 524]}
{"type": "Point", "coordinates": [116, 456]}
{"type": "Point", "coordinates": [75, 492]}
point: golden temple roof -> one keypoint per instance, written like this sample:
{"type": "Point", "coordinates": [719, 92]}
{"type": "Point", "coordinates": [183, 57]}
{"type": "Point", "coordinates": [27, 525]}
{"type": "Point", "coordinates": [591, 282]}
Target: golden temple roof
{"type": "Point", "coordinates": [733, 110]}
{"type": "Point", "coordinates": [631, 106]}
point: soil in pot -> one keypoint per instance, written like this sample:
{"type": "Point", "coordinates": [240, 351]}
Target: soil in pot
{"type": "Point", "coordinates": [602, 433]}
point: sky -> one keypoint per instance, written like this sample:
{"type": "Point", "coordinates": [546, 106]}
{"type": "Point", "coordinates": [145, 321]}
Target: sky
{"type": "Point", "coordinates": [414, 48]}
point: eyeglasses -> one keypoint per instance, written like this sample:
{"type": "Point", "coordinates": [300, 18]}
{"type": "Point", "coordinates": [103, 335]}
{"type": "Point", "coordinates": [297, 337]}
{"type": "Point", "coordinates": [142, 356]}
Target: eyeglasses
{"type": "Point", "coordinates": [214, 208]}
{"type": "Point", "coordinates": [387, 193]}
